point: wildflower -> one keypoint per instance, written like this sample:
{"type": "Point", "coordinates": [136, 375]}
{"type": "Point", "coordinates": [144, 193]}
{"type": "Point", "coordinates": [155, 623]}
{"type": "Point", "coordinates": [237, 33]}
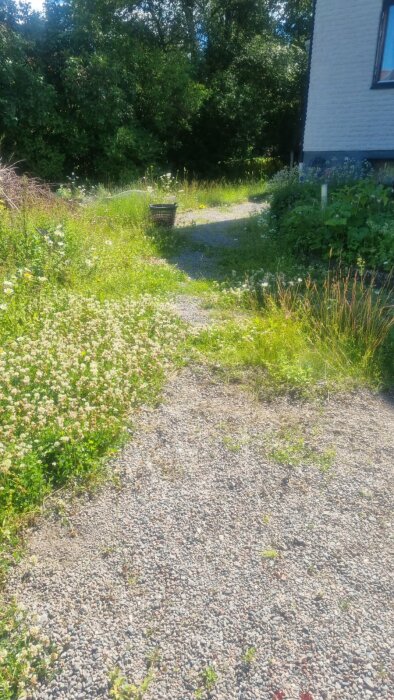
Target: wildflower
{"type": "Point", "coordinates": [108, 242]}
{"type": "Point", "coordinates": [8, 291]}
{"type": "Point", "coordinates": [3, 307]}
{"type": "Point", "coordinates": [5, 466]}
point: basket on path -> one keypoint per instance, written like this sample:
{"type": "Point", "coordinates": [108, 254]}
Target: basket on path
{"type": "Point", "coordinates": [163, 214]}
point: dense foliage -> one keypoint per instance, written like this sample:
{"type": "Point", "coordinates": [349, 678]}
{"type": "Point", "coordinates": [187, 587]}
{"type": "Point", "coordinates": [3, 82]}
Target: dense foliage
{"type": "Point", "coordinates": [356, 228]}
{"type": "Point", "coordinates": [107, 89]}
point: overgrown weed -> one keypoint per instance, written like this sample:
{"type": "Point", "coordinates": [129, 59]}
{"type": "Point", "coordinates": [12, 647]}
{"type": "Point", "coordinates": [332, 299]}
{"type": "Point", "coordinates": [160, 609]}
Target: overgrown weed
{"type": "Point", "coordinates": [308, 336]}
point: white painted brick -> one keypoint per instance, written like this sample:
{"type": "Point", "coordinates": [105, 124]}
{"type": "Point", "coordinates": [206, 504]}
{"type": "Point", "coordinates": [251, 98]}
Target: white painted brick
{"type": "Point", "coordinates": [344, 114]}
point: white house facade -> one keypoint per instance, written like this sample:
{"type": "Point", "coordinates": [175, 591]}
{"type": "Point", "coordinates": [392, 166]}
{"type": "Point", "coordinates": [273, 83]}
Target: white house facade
{"type": "Point", "coordinates": [350, 109]}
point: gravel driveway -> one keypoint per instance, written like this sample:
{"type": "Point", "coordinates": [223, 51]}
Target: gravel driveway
{"type": "Point", "coordinates": [207, 229]}
{"type": "Point", "coordinates": [235, 564]}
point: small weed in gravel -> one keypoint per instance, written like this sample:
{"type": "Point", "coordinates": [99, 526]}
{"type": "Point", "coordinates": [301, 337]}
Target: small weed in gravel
{"type": "Point", "coordinates": [209, 678]}
{"type": "Point", "coordinates": [232, 444]}
{"type": "Point", "coordinates": [270, 554]}
{"type": "Point", "coordinates": [249, 656]}
{"type": "Point", "coordinates": [121, 689]}
{"type": "Point", "coordinates": [291, 449]}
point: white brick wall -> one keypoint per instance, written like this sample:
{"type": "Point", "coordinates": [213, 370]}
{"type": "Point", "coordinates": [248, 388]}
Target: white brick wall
{"type": "Point", "coordinates": [344, 114]}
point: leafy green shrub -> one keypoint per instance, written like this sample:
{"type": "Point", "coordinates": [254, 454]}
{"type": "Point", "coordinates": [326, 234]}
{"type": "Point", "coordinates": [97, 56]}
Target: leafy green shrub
{"type": "Point", "coordinates": [290, 195]}
{"type": "Point", "coordinates": [357, 226]}
{"type": "Point", "coordinates": [287, 191]}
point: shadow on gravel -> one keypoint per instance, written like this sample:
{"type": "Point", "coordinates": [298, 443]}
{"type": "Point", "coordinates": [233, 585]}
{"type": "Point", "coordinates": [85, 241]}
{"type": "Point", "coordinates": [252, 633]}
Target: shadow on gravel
{"type": "Point", "coordinates": [388, 397]}
{"type": "Point", "coordinates": [198, 257]}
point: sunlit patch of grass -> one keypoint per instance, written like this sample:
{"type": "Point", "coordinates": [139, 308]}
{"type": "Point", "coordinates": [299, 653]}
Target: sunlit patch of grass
{"type": "Point", "coordinates": [193, 194]}
{"type": "Point", "coordinates": [215, 194]}
{"type": "Point", "coordinates": [80, 315]}
{"type": "Point", "coordinates": [319, 337]}
{"type": "Point", "coordinates": [115, 251]}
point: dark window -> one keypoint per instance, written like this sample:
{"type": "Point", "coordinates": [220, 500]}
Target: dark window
{"type": "Point", "coordinates": [384, 67]}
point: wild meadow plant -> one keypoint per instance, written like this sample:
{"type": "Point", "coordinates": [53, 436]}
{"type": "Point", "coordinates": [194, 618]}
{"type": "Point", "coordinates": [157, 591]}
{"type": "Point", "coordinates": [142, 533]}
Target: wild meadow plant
{"type": "Point", "coordinates": [84, 339]}
{"type": "Point", "coordinates": [307, 335]}
{"type": "Point", "coordinates": [26, 654]}
{"type": "Point", "coordinates": [68, 387]}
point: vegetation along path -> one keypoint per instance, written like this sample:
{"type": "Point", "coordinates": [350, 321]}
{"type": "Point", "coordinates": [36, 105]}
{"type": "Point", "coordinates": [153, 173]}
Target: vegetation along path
{"type": "Point", "coordinates": [241, 552]}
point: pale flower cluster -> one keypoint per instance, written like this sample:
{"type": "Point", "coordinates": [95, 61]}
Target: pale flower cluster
{"type": "Point", "coordinates": [81, 370]}
{"type": "Point", "coordinates": [26, 654]}
{"type": "Point", "coordinates": [12, 285]}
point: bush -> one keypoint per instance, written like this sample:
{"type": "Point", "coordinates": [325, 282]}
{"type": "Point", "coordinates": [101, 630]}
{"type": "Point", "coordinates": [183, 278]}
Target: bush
{"type": "Point", "coordinates": [285, 198]}
{"type": "Point", "coordinates": [357, 226]}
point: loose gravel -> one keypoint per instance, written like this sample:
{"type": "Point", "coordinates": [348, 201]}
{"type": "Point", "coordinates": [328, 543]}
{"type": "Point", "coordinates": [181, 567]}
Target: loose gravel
{"type": "Point", "coordinates": [210, 551]}
{"type": "Point", "coordinates": [170, 566]}
{"type": "Point", "coordinates": [208, 229]}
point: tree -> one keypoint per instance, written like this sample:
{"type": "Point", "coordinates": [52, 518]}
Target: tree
{"type": "Point", "coordinates": [109, 88]}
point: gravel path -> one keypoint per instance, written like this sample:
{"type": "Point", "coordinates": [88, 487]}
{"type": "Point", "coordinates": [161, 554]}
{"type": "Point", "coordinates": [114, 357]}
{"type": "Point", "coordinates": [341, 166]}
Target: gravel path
{"type": "Point", "coordinates": [173, 561]}
{"type": "Point", "coordinates": [208, 229]}
{"type": "Point", "coordinates": [210, 548]}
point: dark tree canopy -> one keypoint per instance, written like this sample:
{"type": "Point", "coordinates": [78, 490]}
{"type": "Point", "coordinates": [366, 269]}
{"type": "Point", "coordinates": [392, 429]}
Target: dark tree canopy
{"type": "Point", "coordinates": [109, 88]}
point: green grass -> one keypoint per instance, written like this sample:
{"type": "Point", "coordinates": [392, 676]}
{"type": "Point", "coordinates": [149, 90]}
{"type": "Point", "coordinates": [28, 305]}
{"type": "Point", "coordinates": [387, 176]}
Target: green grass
{"type": "Point", "coordinates": [85, 340]}
{"type": "Point", "coordinates": [289, 352]}
{"type": "Point", "coordinates": [197, 194]}
{"type": "Point", "coordinates": [258, 254]}
{"type": "Point", "coordinates": [297, 328]}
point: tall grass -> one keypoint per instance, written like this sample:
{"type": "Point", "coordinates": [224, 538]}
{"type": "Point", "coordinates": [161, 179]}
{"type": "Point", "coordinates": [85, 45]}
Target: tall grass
{"type": "Point", "coordinates": [350, 313]}
{"type": "Point", "coordinates": [306, 335]}
{"type": "Point", "coordinates": [193, 194]}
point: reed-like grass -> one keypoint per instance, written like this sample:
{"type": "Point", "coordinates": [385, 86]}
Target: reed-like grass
{"type": "Point", "coordinates": [308, 335]}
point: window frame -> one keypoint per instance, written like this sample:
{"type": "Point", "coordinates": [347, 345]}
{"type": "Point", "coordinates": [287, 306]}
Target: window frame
{"type": "Point", "coordinates": [382, 36]}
